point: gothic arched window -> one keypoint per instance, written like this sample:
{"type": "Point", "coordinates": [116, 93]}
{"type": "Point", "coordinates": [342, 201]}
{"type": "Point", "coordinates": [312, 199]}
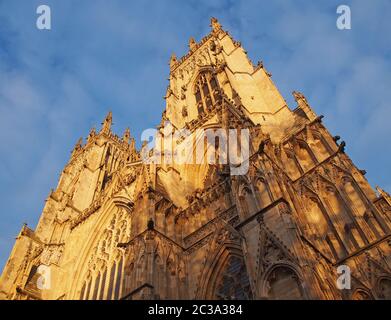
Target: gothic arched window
{"type": "Point", "coordinates": [304, 155]}
{"type": "Point", "coordinates": [234, 283]}
{"type": "Point", "coordinates": [207, 92]}
{"type": "Point", "coordinates": [284, 284]}
{"type": "Point", "coordinates": [247, 200]}
{"type": "Point", "coordinates": [104, 275]}
{"type": "Point", "coordinates": [349, 232]}
{"type": "Point", "coordinates": [319, 146]}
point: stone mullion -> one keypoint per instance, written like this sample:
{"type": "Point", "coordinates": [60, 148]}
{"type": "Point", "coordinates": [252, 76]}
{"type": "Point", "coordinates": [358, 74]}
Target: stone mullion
{"type": "Point", "coordinates": [87, 290]}
{"type": "Point", "coordinates": [210, 90]}
{"type": "Point", "coordinates": [200, 84]}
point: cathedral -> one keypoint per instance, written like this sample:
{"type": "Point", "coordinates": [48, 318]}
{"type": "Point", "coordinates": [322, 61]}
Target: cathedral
{"type": "Point", "coordinates": [119, 227]}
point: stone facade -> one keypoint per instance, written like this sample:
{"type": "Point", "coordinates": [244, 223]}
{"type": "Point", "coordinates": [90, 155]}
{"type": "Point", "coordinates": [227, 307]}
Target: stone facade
{"type": "Point", "coordinates": [118, 228]}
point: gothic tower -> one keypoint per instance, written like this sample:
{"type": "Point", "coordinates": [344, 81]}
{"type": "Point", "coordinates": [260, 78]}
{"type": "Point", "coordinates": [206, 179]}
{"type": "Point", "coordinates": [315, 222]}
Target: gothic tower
{"type": "Point", "coordinates": [120, 227]}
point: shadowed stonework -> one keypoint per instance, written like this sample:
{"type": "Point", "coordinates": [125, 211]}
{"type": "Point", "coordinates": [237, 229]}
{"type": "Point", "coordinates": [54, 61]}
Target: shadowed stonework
{"type": "Point", "coordinates": [116, 227]}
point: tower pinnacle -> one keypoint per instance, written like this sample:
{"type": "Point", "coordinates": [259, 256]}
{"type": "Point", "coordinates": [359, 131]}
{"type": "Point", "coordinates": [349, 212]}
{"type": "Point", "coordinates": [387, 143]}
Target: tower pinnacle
{"type": "Point", "coordinates": [106, 124]}
{"type": "Point", "coordinates": [78, 146]}
{"type": "Point", "coordinates": [126, 136]}
{"type": "Point", "coordinates": [192, 44]}
{"type": "Point", "coordinates": [173, 60]}
{"type": "Point", "coordinates": [215, 24]}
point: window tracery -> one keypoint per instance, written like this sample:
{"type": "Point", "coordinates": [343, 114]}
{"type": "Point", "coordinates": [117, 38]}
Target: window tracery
{"type": "Point", "coordinates": [105, 266]}
{"type": "Point", "coordinates": [234, 283]}
{"type": "Point", "coordinates": [207, 92]}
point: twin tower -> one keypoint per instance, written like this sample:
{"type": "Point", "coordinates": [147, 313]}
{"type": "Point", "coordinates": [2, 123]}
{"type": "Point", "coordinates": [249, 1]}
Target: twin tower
{"type": "Point", "coordinates": [117, 227]}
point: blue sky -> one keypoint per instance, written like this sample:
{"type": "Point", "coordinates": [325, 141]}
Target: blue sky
{"type": "Point", "coordinates": [99, 56]}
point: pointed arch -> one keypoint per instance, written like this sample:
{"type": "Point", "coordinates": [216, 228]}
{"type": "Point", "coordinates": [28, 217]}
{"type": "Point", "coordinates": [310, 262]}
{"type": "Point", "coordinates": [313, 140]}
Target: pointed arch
{"type": "Point", "coordinates": [290, 163]}
{"type": "Point", "coordinates": [262, 190]}
{"type": "Point", "coordinates": [282, 281]}
{"type": "Point", "coordinates": [320, 224]}
{"type": "Point", "coordinates": [363, 213]}
{"type": "Point", "coordinates": [226, 276]}
{"type": "Point", "coordinates": [383, 288]}
{"type": "Point", "coordinates": [304, 155]}
{"type": "Point", "coordinates": [319, 145]}
{"type": "Point", "coordinates": [246, 197]}
{"type": "Point", "coordinates": [342, 218]}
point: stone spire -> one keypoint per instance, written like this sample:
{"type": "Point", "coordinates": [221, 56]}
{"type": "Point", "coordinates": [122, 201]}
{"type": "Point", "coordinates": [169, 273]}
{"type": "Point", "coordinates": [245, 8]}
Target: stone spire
{"type": "Point", "coordinates": [215, 24]}
{"type": "Point", "coordinates": [126, 136]}
{"type": "Point", "coordinates": [303, 104]}
{"type": "Point", "coordinates": [132, 145]}
{"type": "Point", "coordinates": [192, 44]}
{"type": "Point", "coordinates": [106, 124]}
{"type": "Point", "coordinates": [173, 60]}
{"type": "Point", "coordinates": [78, 146]}
{"type": "Point", "coordinates": [384, 194]}
{"type": "Point", "coordinates": [91, 134]}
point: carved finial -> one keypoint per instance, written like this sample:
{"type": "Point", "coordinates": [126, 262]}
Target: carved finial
{"type": "Point", "coordinates": [126, 136]}
{"type": "Point", "coordinates": [298, 96]}
{"type": "Point", "coordinates": [144, 150]}
{"type": "Point", "coordinates": [91, 134]}
{"type": "Point", "coordinates": [303, 105]}
{"type": "Point", "coordinates": [215, 24]}
{"type": "Point", "coordinates": [173, 60]}
{"type": "Point", "coordinates": [192, 44]}
{"type": "Point", "coordinates": [106, 124]}
{"type": "Point", "coordinates": [132, 145]}
{"type": "Point", "coordinates": [78, 146]}
{"type": "Point", "coordinates": [382, 192]}
{"type": "Point", "coordinates": [79, 143]}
